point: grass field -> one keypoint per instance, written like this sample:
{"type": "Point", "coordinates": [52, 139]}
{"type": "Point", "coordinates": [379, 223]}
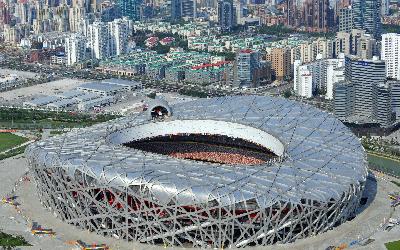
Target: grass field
{"type": "Point", "coordinates": [8, 140]}
{"type": "Point", "coordinates": [7, 240]}
{"type": "Point", "coordinates": [394, 245]}
{"type": "Point", "coordinates": [36, 119]}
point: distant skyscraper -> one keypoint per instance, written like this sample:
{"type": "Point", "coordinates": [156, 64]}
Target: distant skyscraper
{"type": "Point", "coordinates": [226, 14]}
{"type": "Point", "coordinates": [183, 8]}
{"type": "Point", "coordinates": [385, 7]}
{"type": "Point", "coordinates": [310, 14]}
{"type": "Point", "coordinates": [247, 62]}
{"type": "Point", "coordinates": [345, 19]}
{"type": "Point", "coordinates": [390, 53]}
{"type": "Point", "coordinates": [130, 8]}
{"type": "Point", "coordinates": [367, 16]}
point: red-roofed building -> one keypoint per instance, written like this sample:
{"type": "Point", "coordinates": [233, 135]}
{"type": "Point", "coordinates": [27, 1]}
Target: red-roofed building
{"type": "Point", "coordinates": [209, 65]}
{"type": "Point", "coordinates": [167, 40]}
{"type": "Point", "coordinates": [152, 41]}
{"type": "Point", "coordinates": [247, 51]}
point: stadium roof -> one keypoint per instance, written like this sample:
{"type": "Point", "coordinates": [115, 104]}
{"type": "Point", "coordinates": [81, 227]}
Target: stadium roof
{"type": "Point", "coordinates": [100, 86]}
{"type": "Point", "coordinates": [62, 103]}
{"type": "Point", "coordinates": [71, 94]}
{"type": "Point", "coordinates": [121, 82]}
{"type": "Point", "coordinates": [43, 100]}
{"type": "Point", "coordinates": [86, 97]}
{"type": "Point", "coordinates": [321, 158]}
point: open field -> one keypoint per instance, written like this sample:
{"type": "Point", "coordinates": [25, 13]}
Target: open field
{"type": "Point", "coordinates": [394, 245]}
{"type": "Point", "coordinates": [48, 88]}
{"type": "Point", "coordinates": [8, 140]}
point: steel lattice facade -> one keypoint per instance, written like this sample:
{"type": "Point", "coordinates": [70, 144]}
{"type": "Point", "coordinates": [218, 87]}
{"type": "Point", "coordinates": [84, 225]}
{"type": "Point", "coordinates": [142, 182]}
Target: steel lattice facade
{"type": "Point", "coordinates": [89, 180]}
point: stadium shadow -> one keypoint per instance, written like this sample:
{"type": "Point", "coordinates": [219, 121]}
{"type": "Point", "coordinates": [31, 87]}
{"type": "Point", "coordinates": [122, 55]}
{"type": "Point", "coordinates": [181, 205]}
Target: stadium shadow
{"type": "Point", "coordinates": [370, 191]}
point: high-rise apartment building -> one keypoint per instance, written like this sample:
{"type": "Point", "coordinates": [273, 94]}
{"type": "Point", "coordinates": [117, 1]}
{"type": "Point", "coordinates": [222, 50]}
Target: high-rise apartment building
{"type": "Point", "coordinates": [75, 49]}
{"type": "Point", "coordinates": [119, 32]}
{"type": "Point", "coordinates": [324, 73]}
{"type": "Point", "coordinates": [99, 40]}
{"type": "Point", "coordinates": [108, 39]}
{"type": "Point", "coordinates": [356, 42]}
{"type": "Point", "coordinates": [304, 82]}
{"type": "Point", "coordinates": [226, 15]}
{"type": "Point", "coordinates": [367, 16]}
{"type": "Point", "coordinates": [390, 53]}
{"type": "Point", "coordinates": [362, 45]}
{"type": "Point", "coordinates": [343, 43]}
{"type": "Point", "coordinates": [280, 59]}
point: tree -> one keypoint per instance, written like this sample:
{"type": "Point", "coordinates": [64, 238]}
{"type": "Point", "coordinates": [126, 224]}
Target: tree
{"type": "Point", "coordinates": [287, 93]}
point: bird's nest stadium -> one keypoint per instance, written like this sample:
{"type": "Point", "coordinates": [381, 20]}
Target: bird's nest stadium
{"type": "Point", "coordinates": [222, 172]}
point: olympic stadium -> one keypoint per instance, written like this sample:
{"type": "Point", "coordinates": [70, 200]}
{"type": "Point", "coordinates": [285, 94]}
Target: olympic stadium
{"type": "Point", "coordinates": [225, 172]}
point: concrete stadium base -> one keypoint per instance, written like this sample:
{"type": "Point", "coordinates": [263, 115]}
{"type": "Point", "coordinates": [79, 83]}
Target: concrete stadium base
{"type": "Point", "coordinates": [18, 222]}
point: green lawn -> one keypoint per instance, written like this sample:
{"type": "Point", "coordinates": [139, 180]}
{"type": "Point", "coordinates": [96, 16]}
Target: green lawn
{"type": "Point", "coordinates": [8, 140]}
{"type": "Point", "coordinates": [394, 245]}
{"type": "Point", "coordinates": [37, 119]}
{"type": "Point", "coordinates": [13, 152]}
{"type": "Point", "coordinates": [7, 240]}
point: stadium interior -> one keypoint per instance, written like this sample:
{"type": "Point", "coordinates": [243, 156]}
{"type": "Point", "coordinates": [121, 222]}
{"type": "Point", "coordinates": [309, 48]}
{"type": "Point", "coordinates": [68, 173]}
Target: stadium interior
{"type": "Point", "coordinates": [205, 147]}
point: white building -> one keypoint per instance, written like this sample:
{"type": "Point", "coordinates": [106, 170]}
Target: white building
{"type": "Point", "coordinates": [325, 72]}
{"type": "Point", "coordinates": [119, 31]}
{"type": "Point", "coordinates": [99, 40]}
{"type": "Point", "coordinates": [304, 82]}
{"type": "Point", "coordinates": [391, 55]}
{"type": "Point", "coordinates": [333, 73]}
{"type": "Point", "coordinates": [296, 65]}
{"type": "Point", "coordinates": [108, 39]}
{"type": "Point", "coordinates": [75, 49]}
{"type": "Point", "coordinates": [334, 76]}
